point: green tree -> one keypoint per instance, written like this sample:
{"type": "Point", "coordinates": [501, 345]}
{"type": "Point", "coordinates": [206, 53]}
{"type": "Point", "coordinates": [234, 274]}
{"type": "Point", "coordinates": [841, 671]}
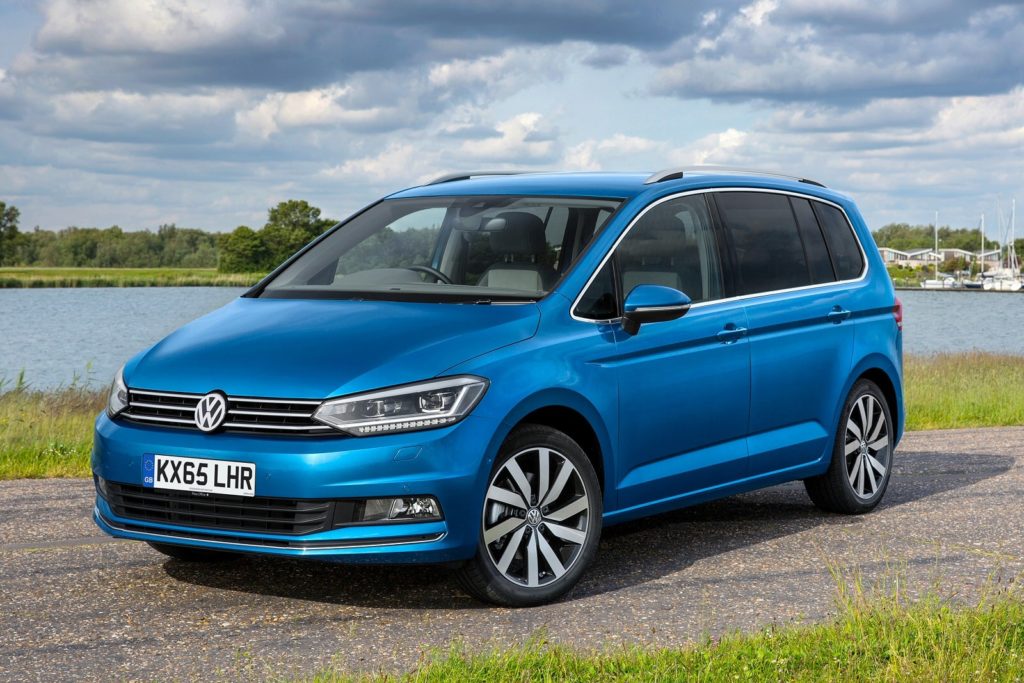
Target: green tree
{"type": "Point", "coordinates": [10, 239]}
{"type": "Point", "coordinates": [290, 226]}
{"type": "Point", "coordinates": [241, 251]}
{"type": "Point", "coordinates": [904, 236]}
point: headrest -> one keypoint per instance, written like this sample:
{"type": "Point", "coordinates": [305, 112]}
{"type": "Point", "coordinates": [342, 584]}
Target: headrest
{"type": "Point", "coordinates": [523, 235]}
{"type": "Point", "coordinates": [656, 243]}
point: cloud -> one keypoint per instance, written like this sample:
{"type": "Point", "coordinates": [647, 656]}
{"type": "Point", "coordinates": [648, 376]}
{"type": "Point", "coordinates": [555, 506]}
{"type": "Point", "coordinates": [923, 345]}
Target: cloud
{"type": "Point", "coordinates": [963, 156]}
{"type": "Point", "coordinates": [783, 52]}
{"type": "Point", "coordinates": [137, 109]}
{"type": "Point", "coordinates": [397, 164]}
{"type": "Point", "coordinates": [165, 27]}
{"type": "Point", "coordinates": [319, 107]}
{"type": "Point", "coordinates": [593, 155]}
{"type": "Point", "coordinates": [524, 138]}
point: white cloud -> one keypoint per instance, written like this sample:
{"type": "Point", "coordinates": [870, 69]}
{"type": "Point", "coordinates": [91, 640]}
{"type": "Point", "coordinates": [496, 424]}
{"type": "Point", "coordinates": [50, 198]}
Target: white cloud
{"type": "Point", "coordinates": [593, 155]}
{"type": "Point", "coordinates": [716, 148]}
{"type": "Point", "coordinates": [398, 164]}
{"type": "Point", "coordinates": [524, 138]}
{"type": "Point", "coordinates": [779, 52]}
{"type": "Point", "coordinates": [166, 26]}
{"type": "Point", "coordinates": [308, 108]}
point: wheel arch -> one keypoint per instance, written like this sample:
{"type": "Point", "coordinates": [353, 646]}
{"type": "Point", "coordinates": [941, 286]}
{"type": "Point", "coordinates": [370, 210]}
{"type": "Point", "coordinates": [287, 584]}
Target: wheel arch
{"type": "Point", "coordinates": [572, 414]}
{"type": "Point", "coordinates": [881, 371]}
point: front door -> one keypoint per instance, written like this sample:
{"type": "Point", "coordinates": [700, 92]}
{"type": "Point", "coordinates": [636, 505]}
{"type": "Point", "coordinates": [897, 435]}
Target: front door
{"type": "Point", "coordinates": [684, 385]}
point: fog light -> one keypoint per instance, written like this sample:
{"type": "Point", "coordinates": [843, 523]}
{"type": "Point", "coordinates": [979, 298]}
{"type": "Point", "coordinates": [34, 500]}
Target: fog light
{"type": "Point", "coordinates": [418, 508]}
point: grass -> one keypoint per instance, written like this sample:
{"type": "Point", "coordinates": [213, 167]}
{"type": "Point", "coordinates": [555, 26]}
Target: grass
{"type": "Point", "coordinates": [49, 434]}
{"type": "Point", "coordinates": [123, 277]}
{"type": "Point", "coordinates": [877, 639]}
{"type": "Point", "coordinates": [950, 391]}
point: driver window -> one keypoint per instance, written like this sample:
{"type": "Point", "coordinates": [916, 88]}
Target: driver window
{"type": "Point", "coordinates": [673, 245]}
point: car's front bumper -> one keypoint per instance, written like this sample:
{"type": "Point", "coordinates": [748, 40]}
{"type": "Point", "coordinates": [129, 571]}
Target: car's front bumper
{"type": "Point", "coordinates": [444, 463]}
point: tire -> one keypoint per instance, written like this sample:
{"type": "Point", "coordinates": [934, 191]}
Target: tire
{"type": "Point", "coordinates": [861, 464]}
{"type": "Point", "coordinates": [531, 552]}
{"type": "Point", "coordinates": [189, 554]}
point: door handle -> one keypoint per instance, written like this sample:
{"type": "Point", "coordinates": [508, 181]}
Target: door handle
{"type": "Point", "coordinates": [838, 314]}
{"type": "Point", "coordinates": [731, 334]}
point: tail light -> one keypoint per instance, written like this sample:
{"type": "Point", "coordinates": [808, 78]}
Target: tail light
{"type": "Point", "coordinates": [897, 313]}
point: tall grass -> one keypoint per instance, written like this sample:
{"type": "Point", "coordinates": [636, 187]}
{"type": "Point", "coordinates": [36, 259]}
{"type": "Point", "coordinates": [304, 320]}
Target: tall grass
{"type": "Point", "coordinates": [47, 434]}
{"type": "Point", "coordinates": [887, 638]}
{"type": "Point", "coordinates": [954, 390]}
{"type": "Point", "coordinates": [123, 277]}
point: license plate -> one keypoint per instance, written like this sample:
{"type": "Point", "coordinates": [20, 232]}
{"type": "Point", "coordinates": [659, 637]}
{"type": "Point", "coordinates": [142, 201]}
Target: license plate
{"type": "Point", "coordinates": [198, 474]}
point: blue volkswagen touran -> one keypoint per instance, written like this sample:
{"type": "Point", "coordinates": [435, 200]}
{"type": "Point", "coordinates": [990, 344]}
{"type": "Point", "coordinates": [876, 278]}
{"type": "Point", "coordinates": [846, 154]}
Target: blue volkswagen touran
{"type": "Point", "coordinates": [487, 369]}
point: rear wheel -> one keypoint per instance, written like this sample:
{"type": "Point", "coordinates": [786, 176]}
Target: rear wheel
{"type": "Point", "coordinates": [541, 521]}
{"type": "Point", "coordinates": [861, 464]}
{"type": "Point", "coordinates": [188, 554]}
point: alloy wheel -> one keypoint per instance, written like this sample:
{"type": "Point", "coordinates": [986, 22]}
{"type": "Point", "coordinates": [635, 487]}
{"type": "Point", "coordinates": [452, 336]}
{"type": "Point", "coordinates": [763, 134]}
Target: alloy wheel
{"type": "Point", "coordinates": [867, 447]}
{"type": "Point", "coordinates": [536, 516]}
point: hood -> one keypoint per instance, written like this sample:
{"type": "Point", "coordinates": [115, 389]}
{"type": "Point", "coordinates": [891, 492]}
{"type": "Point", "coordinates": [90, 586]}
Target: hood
{"type": "Point", "coordinates": [292, 348]}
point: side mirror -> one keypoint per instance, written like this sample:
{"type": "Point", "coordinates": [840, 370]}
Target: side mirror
{"type": "Point", "coordinates": [652, 304]}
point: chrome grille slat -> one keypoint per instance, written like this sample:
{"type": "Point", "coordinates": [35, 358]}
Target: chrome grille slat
{"type": "Point", "coordinates": [297, 402]}
{"type": "Point", "coordinates": [250, 414]}
{"type": "Point", "coordinates": [274, 427]}
{"type": "Point", "coordinates": [158, 418]}
{"type": "Point", "coordinates": [147, 392]}
{"type": "Point", "coordinates": [268, 413]}
{"type": "Point", "coordinates": [162, 406]}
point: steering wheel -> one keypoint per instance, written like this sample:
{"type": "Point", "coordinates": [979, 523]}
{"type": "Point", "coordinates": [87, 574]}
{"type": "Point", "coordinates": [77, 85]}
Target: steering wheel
{"type": "Point", "coordinates": [433, 272]}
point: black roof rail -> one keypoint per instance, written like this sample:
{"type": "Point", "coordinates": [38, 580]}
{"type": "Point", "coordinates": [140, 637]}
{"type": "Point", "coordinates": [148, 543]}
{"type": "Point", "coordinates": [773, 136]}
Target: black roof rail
{"type": "Point", "coordinates": [466, 175]}
{"type": "Point", "coordinates": [679, 172]}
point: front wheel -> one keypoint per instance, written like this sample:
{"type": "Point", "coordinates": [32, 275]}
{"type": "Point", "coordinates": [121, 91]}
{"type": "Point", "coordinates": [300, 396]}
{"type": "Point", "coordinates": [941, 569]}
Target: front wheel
{"type": "Point", "coordinates": [541, 521]}
{"type": "Point", "coordinates": [862, 454]}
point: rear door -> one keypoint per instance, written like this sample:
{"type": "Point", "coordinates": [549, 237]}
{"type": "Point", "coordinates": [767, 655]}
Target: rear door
{"type": "Point", "coordinates": [800, 329]}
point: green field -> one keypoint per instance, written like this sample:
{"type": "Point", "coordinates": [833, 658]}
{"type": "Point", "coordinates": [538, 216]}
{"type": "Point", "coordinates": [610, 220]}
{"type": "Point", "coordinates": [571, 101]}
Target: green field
{"type": "Point", "coordinates": [123, 277]}
{"type": "Point", "coordinates": [879, 640]}
{"type": "Point", "coordinates": [49, 434]}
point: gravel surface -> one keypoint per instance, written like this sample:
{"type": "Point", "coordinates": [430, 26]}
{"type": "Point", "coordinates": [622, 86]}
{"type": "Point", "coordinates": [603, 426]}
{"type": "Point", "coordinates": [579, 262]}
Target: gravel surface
{"type": "Point", "coordinates": [77, 605]}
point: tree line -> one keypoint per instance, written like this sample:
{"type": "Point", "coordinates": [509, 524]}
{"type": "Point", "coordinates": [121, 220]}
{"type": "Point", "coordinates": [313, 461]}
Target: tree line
{"type": "Point", "coordinates": [290, 225]}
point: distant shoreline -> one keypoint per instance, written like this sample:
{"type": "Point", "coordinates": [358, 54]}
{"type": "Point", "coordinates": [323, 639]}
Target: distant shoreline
{"type": "Point", "coordinates": [41, 278]}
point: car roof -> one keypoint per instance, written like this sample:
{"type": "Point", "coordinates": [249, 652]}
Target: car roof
{"type": "Point", "coordinates": [608, 184]}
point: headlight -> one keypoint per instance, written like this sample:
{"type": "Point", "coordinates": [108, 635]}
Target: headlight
{"type": "Point", "coordinates": [118, 399]}
{"type": "Point", "coordinates": [424, 405]}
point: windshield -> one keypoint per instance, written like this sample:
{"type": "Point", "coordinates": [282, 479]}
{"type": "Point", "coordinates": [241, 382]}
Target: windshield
{"type": "Point", "coordinates": [448, 248]}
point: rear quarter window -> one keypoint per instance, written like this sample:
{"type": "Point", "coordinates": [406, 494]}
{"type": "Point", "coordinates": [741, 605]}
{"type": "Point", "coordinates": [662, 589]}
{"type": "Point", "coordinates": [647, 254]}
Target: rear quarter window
{"type": "Point", "coordinates": [842, 244]}
{"type": "Point", "coordinates": [818, 260]}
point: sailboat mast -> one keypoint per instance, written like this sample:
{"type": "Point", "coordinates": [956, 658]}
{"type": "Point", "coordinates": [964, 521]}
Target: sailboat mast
{"type": "Point", "coordinates": [1013, 236]}
{"type": "Point", "coordinates": [937, 246]}
{"type": "Point", "coordinates": [981, 255]}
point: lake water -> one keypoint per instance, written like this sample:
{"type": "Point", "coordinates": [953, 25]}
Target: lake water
{"type": "Point", "coordinates": [56, 335]}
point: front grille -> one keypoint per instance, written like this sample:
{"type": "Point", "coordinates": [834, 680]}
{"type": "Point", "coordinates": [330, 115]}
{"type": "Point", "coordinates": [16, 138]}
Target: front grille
{"type": "Point", "coordinates": [214, 511]}
{"type": "Point", "coordinates": [245, 414]}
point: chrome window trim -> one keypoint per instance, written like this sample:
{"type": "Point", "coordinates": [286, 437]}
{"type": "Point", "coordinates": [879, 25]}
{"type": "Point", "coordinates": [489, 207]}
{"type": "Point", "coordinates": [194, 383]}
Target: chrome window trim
{"type": "Point", "coordinates": [742, 297]}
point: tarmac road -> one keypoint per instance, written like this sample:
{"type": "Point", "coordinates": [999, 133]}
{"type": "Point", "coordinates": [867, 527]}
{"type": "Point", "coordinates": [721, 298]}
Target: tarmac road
{"type": "Point", "coordinates": [77, 605]}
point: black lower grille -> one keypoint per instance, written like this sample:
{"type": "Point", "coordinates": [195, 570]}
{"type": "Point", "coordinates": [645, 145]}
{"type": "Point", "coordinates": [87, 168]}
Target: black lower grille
{"type": "Point", "coordinates": [211, 511]}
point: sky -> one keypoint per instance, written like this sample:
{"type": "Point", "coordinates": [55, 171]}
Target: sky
{"type": "Point", "coordinates": [204, 114]}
